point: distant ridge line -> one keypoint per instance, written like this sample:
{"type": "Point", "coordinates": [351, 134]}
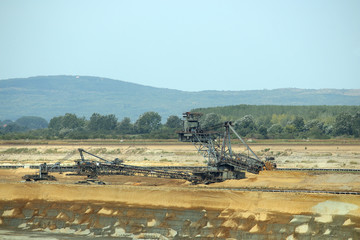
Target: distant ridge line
{"type": "Point", "coordinates": [49, 96]}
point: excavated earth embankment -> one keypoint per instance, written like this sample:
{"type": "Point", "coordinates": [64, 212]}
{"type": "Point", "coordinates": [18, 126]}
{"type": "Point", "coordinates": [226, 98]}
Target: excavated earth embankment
{"type": "Point", "coordinates": [69, 211]}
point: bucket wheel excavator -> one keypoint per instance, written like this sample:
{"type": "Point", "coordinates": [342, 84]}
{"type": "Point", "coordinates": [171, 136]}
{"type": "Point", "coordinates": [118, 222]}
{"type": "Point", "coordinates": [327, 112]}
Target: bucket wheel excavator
{"type": "Point", "coordinates": [223, 163]}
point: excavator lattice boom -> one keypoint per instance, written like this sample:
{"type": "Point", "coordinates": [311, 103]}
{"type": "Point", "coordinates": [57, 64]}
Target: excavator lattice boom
{"type": "Point", "coordinates": [216, 149]}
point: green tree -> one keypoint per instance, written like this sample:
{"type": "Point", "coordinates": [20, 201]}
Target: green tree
{"type": "Point", "coordinates": [263, 131]}
{"type": "Point", "coordinates": [264, 121]}
{"type": "Point", "coordinates": [148, 122]}
{"type": "Point", "coordinates": [95, 122]}
{"type": "Point", "coordinates": [99, 122]}
{"type": "Point", "coordinates": [71, 121]}
{"type": "Point", "coordinates": [291, 128]}
{"type": "Point", "coordinates": [31, 122]}
{"type": "Point", "coordinates": [12, 128]}
{"type": "Point", "coordinates": [109, 122]}
{"type": "Point", "coordinates": [299, 124]}
{"type": "Point", "coordinates": [315, 123]}
{"type": "Point", "coordinates": [315, 129]}
{"type": "Point", "coordinates": [343, 124]}
{"type": "Point", "coordinates": [290, 132]}
{"type": "Point", "coordinates": [316, 132]}
{"type": "Point", "coordinates": [174, 122]}
{"type": "Point", "coordinates": [68, 121]}
{"type": "Point", "coordinates": [356, 124]}
{"type": "Point", "coordinates": [275, 130]}
{"type": "Point", "coordinates": [210, 121]}
{"type": "Point", "coordinates": [125, 126]}
{"type": "Point", "coordinates": [246, 125]}
{"type": "Point", "coordinates": [56, 123]}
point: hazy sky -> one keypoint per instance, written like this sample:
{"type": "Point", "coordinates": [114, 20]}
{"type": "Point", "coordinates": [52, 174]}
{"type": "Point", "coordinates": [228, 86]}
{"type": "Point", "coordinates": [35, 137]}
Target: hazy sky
{"type": "Point", "coordinates": [187, 45]}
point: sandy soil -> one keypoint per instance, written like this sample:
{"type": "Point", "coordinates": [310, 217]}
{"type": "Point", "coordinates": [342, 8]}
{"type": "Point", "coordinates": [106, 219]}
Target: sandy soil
{"type": "Point", "coordinates": [178, 197]}
{"type": "Point", "coordinates": [302, 155]}
{"type": "Point", "coordinates": [287, 155]}
{"type": "Point", "coordinates": [235, 208]}
{"type": "Point", "coordinates": [266, 179]}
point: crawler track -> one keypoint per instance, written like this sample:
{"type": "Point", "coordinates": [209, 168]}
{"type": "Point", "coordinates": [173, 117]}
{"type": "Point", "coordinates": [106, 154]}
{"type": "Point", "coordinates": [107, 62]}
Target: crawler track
{"type": "Point", "coordinates": [11, 166]}
{"type": "Point", "coordinates": [292, 191]}
{"type": "Point", "coordinates": [72, 168]}
{"type": "Point", "coordinates": [320, 169]}
{"type": "Point", "coordinates": [184, 172]}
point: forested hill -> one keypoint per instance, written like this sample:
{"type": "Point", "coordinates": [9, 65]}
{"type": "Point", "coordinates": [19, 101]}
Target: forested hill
{"type": "Point", "coordinates": [49, 96]}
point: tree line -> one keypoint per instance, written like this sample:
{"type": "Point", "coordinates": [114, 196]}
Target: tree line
{"type": "Point", "coordinates": [70, 126]}
{"type": "Point", "coordinates": [149, 125]}
{"type": "Point", "coordinates": [323, 113]}
{"type": "Point", "coordinates": [344, 125]}
{"type": "Point", "coordinates": [287, 122]}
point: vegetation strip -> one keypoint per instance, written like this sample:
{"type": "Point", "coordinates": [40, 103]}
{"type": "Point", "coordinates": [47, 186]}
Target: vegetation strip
{"type": "Point", "coordinates": [250, 121]}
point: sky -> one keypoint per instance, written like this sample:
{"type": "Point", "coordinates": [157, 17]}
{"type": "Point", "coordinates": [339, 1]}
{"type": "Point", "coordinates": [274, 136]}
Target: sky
{"type": "Point", "coordinates": [189, 45]}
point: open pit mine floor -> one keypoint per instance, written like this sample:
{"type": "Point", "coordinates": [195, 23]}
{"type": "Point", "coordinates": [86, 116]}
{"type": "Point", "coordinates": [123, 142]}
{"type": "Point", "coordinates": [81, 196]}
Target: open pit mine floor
{"type": "Point", "coordinates": [133, 207]}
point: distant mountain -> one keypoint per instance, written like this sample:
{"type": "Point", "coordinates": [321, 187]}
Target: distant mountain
{"type": "Point", "coordinates": [49, 96]}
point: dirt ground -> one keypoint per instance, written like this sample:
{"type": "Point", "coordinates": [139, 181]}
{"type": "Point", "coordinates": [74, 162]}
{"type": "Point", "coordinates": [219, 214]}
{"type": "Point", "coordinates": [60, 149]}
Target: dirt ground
{"type": "Point", "coordinates": [152, 193]}
{"type": "Point", "coordinates": [175, 197]}
{"type": "Point", "coordinates": [338, 154]}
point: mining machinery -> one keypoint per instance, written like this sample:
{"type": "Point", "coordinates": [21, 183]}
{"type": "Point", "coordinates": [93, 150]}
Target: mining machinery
{"type": "Point", "coordinates": [223, 163]}
{"type": "Point", "coordinates": [42, 175]}
{"type": "Point", "coordinates": [94, 168]}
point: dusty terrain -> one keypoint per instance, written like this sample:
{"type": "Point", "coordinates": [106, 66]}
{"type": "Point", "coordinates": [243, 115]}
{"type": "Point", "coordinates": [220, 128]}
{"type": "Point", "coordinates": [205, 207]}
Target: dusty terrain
{"type": "Point", "coordinates": [230, 213]}
{"type": "Point", "coordinates": [302, 154]}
